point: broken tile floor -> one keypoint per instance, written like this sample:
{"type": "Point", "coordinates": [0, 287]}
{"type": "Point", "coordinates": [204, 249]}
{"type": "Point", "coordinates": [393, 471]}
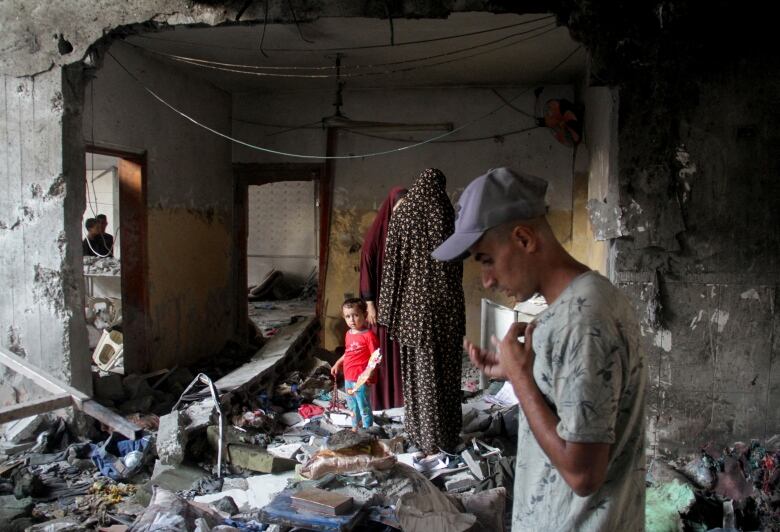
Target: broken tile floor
{"type": "Point", "coordinates": [284, 458]}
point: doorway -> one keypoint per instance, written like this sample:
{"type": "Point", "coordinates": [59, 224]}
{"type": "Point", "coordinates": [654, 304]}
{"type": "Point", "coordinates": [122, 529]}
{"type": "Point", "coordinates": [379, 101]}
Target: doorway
{"type": "Point", "coordinates": [115, 259]}
{"type": "Point", "coordinates": [281, 224]}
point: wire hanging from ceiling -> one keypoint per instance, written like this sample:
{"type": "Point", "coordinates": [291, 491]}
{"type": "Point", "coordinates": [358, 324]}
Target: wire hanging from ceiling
{"type": "Point", "coordinates": [265, 25]}
{"type": "Point", "coordinates": [195, 60]}
{"type": "Point", "coordinates": [331, 157]}
{"type": "Point", "coordinates": [495, 136]}
{"type": "Point", "coordinates": [356, 74]}
{"type": "Point", "coordinates": [348, 48]}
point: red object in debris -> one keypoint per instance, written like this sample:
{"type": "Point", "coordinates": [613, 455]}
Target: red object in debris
{"type": "Point", "coordinates": [308, 410]}
{"type": "Point", "coordinates": [561, 117]}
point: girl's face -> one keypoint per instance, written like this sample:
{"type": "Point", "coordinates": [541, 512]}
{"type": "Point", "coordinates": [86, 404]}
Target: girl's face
{"type": "Point", "coordinates": [355, 318]}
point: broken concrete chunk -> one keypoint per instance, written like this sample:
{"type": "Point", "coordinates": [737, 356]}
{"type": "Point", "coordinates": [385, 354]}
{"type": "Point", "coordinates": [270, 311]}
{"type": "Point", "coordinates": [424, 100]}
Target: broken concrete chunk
{"type": "Point", "coordinates": [235, 483]}
{"type": "Point", "coordinates": [257, 459]}
{"type": "Point", "coordinates": [263, 488]}
{"type": "Point", "coordinates": [226, 504]}
{"type": "Point", "coordinates": [10, 449]}
{"type": "Point", "coordinates": [230, 434]}
{"type": "Point", "coordinates": [199, 415]}
{"type": "Point", "coordinates": [23, 430]}
{"type": "Point", "coordinates": [239, 497]}
{"type": "Point", "coordinates": [178, 477]}
{"type": "Point", "coordinates": [259, 490]}
{"type": "Point", "coordinates": [11, 508]}
{"type": "Point", "coordinates": [288, 450]}
{"type": "Point", "coordinates": [172, 438]}
{"type": "Point", "coordinates": [460, 482]}
{"type": "Point", "coordinates": [344, 439]}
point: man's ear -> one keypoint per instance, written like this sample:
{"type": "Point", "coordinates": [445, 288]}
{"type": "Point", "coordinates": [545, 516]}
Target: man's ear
{"type": "Point", "coordinates": [525, 237]}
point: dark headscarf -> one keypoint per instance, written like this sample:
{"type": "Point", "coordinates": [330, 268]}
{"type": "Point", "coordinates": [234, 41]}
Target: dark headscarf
{"type": "Point", "coordinates": [372, 254]}
{"type": "Point", "coordinates": [421, 299]}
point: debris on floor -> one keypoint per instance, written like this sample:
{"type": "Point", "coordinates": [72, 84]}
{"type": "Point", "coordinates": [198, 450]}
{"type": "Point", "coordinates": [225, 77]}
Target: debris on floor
{"type": "Point", "coordinates": [734, 488]}
{"type": "Point", "coordinates": [252, 441]}
{"type": "Point", "coordinates": [275, 450]}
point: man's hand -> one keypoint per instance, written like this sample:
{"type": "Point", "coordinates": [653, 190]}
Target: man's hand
{"type": "Point", "coordinates": [371, 313]}
{"type": "Point", "coordinates": [517, 358]}
{"type": "Point", "coordinates": [486, 361]}
{"type": "Point", "coordinates": [512, 360]}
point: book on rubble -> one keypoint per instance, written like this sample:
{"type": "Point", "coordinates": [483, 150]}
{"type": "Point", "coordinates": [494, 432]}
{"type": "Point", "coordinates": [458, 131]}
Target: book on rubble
{"type": "Point", "coordinates": [321, 501]}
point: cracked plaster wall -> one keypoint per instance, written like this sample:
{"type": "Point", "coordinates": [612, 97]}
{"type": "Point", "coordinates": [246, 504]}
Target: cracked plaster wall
{"type": "Point", "coordinates": [191, 289]}
{"type": "Point", "coordinates": [693, 219]}
{"type": "Point", "coordinates": [42, 178]}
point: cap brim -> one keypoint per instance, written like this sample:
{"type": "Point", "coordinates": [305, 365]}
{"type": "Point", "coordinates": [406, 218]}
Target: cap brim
{"type": "Point", "coordinates": [456, 247]}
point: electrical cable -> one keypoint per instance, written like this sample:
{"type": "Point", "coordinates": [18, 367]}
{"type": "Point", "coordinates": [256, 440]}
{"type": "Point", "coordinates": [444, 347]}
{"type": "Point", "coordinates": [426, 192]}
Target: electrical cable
{"type": "Point", "coordinates": [92, 135]}
{"type": "Point", "coordinates": [495, 136]}
{"type": "Point", "coordinates": [265, 25]}
{"type": "Point", "coordinates": [216, 66]}
{"type": "Point", "coordinates": [364, 74]}
{"type": "Point", "coordinates": [511, 106]}
{"type": "Point", "coordinates": [328, 157]}
{"type": "Point", "coordinates": [359, 47]}
{"type": "Point", "coordinates": [547, 27]}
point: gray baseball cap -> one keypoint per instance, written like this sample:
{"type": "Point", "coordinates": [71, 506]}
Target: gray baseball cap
{"type": "Point", "coordinates": [496, 197]}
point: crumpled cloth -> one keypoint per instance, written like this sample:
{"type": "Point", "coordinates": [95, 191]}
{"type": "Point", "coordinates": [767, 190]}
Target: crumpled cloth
{"type": "Point", "coordinates": [310, 410]}
{"type": "Point", "coordinates": [376, 456]}
{"type": "Point", "coordinates": [169, 512]}
{"type": "Point", "coordinates": [107, 456]}
{"type": "Point", "coordinates": [427, 509]}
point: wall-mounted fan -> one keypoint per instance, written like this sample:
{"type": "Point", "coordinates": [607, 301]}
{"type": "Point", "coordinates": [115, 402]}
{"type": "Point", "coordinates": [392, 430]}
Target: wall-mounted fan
{"type": "Point", "coordinates": [563, 118]}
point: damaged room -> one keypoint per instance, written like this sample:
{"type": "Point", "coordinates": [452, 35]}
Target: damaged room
{"type": "Point", "coordinates": [432, 266]}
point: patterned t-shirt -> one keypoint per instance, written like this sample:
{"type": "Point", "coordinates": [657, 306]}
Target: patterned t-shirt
{"type": "Point", "coordinates": [590, 368]}
{"type": "Point", "coordinates": [357, 350]}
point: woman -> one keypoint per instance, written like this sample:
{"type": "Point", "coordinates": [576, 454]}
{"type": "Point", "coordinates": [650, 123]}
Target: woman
{"type": "Point", "coordinates": [387, 392]}
{"type": "Point", "coordinates": [421, 304]}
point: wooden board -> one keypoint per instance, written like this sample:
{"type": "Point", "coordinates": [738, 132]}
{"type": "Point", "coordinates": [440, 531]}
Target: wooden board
{"type": "Point", "coordinates": [74, 397]}
{"type": "Point", "coordinates": [38, 406]}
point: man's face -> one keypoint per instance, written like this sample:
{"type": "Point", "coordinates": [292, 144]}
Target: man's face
{"type": "Point", "coordinates": [94, 230]}
{"type": "Point", "coordinates": [102, 224]}
{"type": "Point", "coordinates": [505, 265]}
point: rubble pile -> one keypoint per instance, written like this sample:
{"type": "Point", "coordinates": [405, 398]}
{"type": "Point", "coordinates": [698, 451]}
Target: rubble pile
{"type": "Point", "coordinates": [270, 455]}
{"type": "Point", "coordinates": [734, 488]}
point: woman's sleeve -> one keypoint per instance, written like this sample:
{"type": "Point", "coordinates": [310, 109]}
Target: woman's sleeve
{"type": "Point", "coordinates": [368, 267]}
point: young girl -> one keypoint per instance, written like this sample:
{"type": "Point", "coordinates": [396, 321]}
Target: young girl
{"type": "Point", "coordinates": [359, 343]}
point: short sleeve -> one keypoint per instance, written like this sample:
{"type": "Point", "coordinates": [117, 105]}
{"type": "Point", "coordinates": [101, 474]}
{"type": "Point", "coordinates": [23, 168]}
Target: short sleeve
{"type": "Point", "coordinates": [587, 374]}
{"type": "Point", "coordinates": [372, 342]}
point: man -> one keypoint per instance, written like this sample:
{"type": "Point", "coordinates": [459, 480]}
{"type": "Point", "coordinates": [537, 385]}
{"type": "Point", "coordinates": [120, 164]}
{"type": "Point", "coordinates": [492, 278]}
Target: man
{"type": "Point", "coordinates": [577, 370]}
{"type": "Point", "coordinates": [94, 245]}
{"type": "Point", "coordinates": [108, 240]}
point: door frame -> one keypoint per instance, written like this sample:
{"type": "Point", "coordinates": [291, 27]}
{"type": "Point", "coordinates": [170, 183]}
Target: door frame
{"type": "Point", "coordinates": [134, 261]}
{"type": "Point", "coordinates": [255, 174]}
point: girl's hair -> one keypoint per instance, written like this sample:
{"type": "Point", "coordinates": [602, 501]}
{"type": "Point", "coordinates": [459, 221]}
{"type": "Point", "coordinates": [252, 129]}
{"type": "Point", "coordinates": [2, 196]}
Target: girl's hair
{"type": "Point", "coordinates": [355, 302]}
